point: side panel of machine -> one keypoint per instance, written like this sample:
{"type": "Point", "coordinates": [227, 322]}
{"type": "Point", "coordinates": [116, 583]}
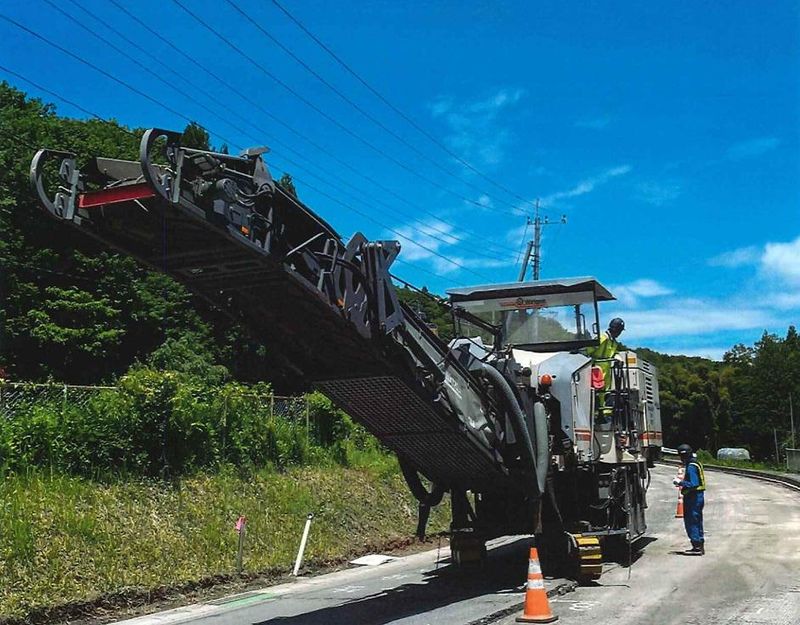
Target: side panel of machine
{"type": "Point", "coordinates": [643, 377]}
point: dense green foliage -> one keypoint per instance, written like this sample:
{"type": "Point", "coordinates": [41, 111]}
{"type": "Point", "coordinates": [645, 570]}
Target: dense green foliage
{"type": "Point", "coordinates": [166, 423]}
{"type": "Point", "coordinates": [426, 306]}
{"type": "Point", "coordinates": [742, 401]}
{"type": "Point", "coordinates": [70, 309]}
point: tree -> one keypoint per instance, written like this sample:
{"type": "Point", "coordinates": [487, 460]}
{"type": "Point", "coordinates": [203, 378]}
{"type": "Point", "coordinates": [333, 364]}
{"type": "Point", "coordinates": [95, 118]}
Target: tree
{"type": "Point", "coordinates": [195, 136]}
{"type": "Point", "coordinates": [287, 184]}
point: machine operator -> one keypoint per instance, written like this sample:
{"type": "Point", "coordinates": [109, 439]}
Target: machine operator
{"type": "Point", "coordinates": [603, 357]}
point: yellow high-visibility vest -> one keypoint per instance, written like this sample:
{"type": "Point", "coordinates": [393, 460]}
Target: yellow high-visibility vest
{"type": "Point", "coordinates": [602, 355]}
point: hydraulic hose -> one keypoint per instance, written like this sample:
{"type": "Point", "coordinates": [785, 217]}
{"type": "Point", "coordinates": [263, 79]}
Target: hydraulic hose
{"type": "Point", "coordinates": [513, 407]}
{"type": "Point", "coordinates": [433, 498]}
{"type": "Point", "coordinates": [542, 443]}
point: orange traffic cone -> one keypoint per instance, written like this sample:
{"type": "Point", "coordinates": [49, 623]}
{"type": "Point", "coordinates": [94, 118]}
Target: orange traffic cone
{"type": "Point", "coordinates": [679, 509]}
{"type": "Point", "coordinates": [537, 607]}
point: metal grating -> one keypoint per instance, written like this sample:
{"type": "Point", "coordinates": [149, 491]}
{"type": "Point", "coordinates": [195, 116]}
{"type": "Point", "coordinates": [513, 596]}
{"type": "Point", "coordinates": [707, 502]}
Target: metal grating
{"type": "Point", "coordinates": [405, 423]}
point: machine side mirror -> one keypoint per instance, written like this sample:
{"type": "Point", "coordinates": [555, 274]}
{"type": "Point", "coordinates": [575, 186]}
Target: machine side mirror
{"type": "Point", "coordinates": [595, 329]}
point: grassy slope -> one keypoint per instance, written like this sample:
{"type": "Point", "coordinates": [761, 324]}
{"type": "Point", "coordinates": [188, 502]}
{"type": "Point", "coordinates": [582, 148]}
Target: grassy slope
{"type": "Point", "coordinates": [69, 539]}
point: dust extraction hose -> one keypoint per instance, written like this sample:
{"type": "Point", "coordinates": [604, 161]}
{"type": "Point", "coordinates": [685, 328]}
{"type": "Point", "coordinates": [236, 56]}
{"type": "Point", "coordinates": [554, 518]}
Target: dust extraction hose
{"type": "Point", "coordinates": [513, 407]}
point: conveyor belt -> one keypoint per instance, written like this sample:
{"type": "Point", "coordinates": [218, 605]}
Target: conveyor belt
{"type": "Point", "coordinates": [206, 249]}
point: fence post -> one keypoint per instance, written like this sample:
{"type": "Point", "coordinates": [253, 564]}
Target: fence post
{"type": "Point", "coordinates": [224, 427]}
{"type": "Point", "coordinates": [307, 420]}
{"type": "Point", "coordinates": [272, 407]}
{"type": "Point", "coordinates": [64, 403]}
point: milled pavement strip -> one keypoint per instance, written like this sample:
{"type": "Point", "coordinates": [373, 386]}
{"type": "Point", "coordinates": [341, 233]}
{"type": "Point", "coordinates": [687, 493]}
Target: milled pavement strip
{"type": "Point", "coordinates": [347, 578]}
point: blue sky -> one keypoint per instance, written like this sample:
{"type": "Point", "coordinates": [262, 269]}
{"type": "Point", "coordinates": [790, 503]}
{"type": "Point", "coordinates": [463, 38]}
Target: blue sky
{"type": "Point", "coordinates": [668, 133]}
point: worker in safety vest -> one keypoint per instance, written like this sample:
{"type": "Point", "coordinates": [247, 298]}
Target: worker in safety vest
{"type": "Point", "coordinates": [603, 356]}
{"type": "Point", "coordinates": [693, 487]}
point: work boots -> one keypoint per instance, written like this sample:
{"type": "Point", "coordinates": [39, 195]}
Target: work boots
{"type": "Point", "coordinates": [698, 548]}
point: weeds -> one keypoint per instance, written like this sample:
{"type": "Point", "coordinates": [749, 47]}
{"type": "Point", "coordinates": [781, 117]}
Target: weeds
{"type": "Point", "coordinates": [66, 538]}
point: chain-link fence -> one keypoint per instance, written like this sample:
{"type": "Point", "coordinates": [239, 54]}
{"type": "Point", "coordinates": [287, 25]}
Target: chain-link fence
{"type": "Point", "coordinates": [17, 397]}
{"type": "Point", "coordinates": [157, 427]}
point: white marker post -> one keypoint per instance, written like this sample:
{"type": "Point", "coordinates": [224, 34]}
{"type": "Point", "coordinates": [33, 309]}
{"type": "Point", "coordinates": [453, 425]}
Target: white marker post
{"type": "Point", "coordinates": [241, 529]}
{"type": "Point", "coordinates": [302, 544]}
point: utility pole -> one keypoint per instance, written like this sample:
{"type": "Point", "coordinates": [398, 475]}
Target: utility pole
{"type": "Point", "coordinates": [537, 243]}
{"type": "Point", "coordinates": [777, 456]}
{"type": "Point", "coordinates": [791, 419]}
{"type": "Point", "coordinates": [534, 246]}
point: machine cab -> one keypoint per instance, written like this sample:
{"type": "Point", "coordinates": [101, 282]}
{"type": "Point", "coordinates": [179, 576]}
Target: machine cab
{"type": "Point", "coordinates": [542, 316]}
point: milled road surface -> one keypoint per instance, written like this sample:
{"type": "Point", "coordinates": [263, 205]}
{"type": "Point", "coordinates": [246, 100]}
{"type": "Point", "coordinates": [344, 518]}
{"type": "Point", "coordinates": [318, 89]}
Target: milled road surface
{"type": "Point", "coordinates": [750, 576]}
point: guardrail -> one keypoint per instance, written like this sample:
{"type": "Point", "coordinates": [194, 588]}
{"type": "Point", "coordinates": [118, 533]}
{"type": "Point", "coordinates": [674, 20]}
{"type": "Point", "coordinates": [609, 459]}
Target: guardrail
{"type": "Point", "coordinates": [789, 481]}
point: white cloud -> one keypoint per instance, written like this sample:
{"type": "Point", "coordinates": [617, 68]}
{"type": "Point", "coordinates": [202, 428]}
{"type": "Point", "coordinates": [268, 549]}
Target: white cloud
{"type": "Point", "coordinates": [712, 353]}
{"type": "Point", "coordinates": [784, 301]}
{"type": "Point", "coordinates": [752, 148]}
{"type": "Point", "coordinates": [629, 294]}
{"type": "Point", "coordinates": [434, 242]}
{"type": "Point", "coordinates": [694, 318]}
{"type": "Point", "coordinates": [476, 131]}
{"type": "Point", "coordinates": [423, 240]}
{"type": "Point", "coordinates": [586, 186]}
{"type": "Point", "coordinates": [778, 262]}
{"type": "Point", "coordinates": [485, 201]}
{"type": "Point", "coordinates": [782, 260]}
{"type": "Point", "coordinates": [749, 255]}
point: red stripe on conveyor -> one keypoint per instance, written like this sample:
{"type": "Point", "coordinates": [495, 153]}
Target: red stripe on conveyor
{"type": "Point", "coordinates": [114, 195]}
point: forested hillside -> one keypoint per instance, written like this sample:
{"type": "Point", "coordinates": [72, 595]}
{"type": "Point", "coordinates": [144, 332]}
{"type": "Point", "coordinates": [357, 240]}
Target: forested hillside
{"type": "Point", "coordinates": [74, 312]}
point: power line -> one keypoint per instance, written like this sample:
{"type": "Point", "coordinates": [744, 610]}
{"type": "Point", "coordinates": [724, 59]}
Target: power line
{"type": "Point", "coordinates": [100, 118]}
{"type": "Point", "coordinates": [330, 118]}
{"type": "Point", "coordinates": [135, 90]}
{"type": "Point", "coordinates": [454, 239]}
{"type": "Point", "coordinates": [324, 194]}
{"type": "Point", "coordinates": [355, 105]}
{"type": "Point", "coordinates": [390, 229]}
{"type": "Point", "coordinates": [398, 111]}
{"type": "Point", "coordinates": [348, 167]}
{"type": "Point", "coordinates": [146, 69]}
{"type": "Point", "coordinates": [53, 94]}
{"type": "Point", "coordinates": [130, 57]}
{"type": "Point", "coordinates": [104, 73]}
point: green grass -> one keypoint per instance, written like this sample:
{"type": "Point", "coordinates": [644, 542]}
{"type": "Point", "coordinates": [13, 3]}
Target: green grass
{"type": "Point", "coordinates": [66, 538]}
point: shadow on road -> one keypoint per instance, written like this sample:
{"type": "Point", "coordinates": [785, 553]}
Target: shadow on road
{"type": "Point", "coordinates": [620, 554]}
{"type": "Point", "coordinates": [505, 572]}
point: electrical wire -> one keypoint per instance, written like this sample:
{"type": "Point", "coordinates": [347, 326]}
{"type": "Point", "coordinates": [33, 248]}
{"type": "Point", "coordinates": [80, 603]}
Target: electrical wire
{"type": "Point", "coordinates": [324, 194]}
{"type": "Point", "coordinates": [425, 229]}
{"type": "Point", "coordinates": [390, 229]}
{"type": "Point", "coordinates": [53, 94]}
{"type": "Point", "coordinates": [105, 73]}
{"type": "Point", "coordinates": [149, 71]}
{"type": "Point", "coordinates": [350, 207]}
{"type": "Point", "coordinates": [397, 110]}
{"type": "Point", "coordinates": [356, 106]}
{"type": "Point", "coordinates": [383, 153]}
{"type": "Point", "coordinates": [130, 57]}
{"type": "Point", "coordinates": [485, 241]}
{"type": "Point", "coordinates": [159, 78]}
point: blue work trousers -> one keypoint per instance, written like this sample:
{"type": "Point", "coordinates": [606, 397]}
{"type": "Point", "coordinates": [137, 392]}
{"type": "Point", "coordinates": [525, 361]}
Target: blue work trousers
{"type": "Point", "coordinates": [693, 515]}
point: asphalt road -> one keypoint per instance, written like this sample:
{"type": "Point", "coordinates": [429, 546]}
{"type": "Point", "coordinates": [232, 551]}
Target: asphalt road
{"type": "Point", "coordinates": [750, 575]}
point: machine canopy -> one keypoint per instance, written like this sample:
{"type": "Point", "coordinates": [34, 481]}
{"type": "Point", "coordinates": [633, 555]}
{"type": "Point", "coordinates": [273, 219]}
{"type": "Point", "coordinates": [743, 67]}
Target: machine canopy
{"type": "Point", "coordinates": [552, 315]}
